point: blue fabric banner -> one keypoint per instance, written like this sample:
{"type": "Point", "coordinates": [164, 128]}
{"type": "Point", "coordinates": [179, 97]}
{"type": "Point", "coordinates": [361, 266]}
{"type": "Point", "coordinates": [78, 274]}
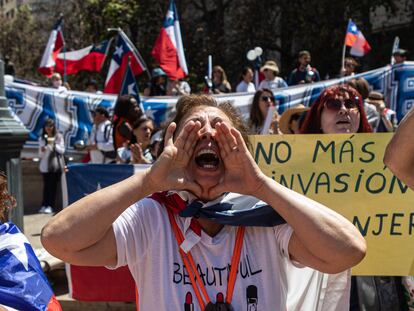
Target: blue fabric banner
{"type": "Point", "coordinates": [32, 104]}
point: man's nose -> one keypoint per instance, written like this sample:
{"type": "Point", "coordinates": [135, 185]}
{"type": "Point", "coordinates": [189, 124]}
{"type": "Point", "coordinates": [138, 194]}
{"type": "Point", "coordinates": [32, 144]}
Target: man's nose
{"type": "Point", "coordinates": [207, 130]}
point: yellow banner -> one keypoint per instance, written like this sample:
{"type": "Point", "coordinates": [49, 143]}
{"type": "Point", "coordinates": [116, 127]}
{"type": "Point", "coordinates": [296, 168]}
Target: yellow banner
{"type": "Point", "coordinates": [346, 173]}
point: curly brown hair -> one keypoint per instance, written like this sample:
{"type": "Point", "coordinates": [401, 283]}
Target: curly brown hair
{"type": "Point", "coordinates": [6, 200]}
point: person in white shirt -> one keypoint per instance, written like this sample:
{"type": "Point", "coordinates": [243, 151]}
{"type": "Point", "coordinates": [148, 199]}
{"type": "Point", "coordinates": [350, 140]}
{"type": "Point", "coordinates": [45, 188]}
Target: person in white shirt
{"type": "Point", "coordinates": [246, 84]}
{"type": "Point", "coordinates": [271, 81]}
{"type": "Point", "coordinates": [100, 143]}
{"type": "Point", "coordinates": [204, 170]}
{"type": "Point", "coordinates": [50, 142]}
{"type": "Point", "coordinates": [178, 87]}
{"type": "Point", "coordinates": [57, 83]}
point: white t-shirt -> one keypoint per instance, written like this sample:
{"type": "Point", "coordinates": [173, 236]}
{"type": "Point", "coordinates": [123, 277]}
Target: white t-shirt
{"type": "Point", "coordinates": [244, 87]}
{"type": "Point", "coordinates": [103, 140]}
{"type": "Point", "coordinates": [146, 243]}
{"type": "Point", "coordinates": [272, 85]}
{"type": "Point", "coordinates": [56, 142]}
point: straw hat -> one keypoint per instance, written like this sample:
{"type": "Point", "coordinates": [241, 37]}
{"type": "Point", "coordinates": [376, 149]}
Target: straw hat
{"type": "Point", "coordinates": [271, 65]}
{"type": "Point", "coordinates": [287, 116]}
{"type": "Point", "coordinates": [376, 98]}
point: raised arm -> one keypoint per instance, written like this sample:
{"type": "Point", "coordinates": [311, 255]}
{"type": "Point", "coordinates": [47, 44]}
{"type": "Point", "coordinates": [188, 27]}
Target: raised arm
{"type": "Point", "coordinates": [399, 155]}
{"type": "Point", "coordinates": [82, 233]}
{"type": "Point", "coordinates": [322, 238]}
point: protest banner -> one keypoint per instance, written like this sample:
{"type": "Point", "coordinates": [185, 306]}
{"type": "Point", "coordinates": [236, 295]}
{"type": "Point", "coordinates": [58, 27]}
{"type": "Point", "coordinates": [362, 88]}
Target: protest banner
{"type": "Point", "coordinates": [31, 105]}
{"type": "Point", "coordinates": [346, 173]}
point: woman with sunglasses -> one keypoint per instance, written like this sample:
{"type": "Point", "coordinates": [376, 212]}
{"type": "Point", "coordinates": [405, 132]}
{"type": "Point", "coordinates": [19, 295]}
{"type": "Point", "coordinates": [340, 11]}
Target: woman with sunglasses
{"type": "Point", "coordinates": [220, 82]}
{"type": "Point", "coordinates": [338, 110]}
{"type": "Point", "coordinates": [263, 100]}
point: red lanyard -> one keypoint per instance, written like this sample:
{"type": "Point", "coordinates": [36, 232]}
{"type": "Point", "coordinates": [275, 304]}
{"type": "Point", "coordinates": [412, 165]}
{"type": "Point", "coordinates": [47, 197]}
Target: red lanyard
{"type": "Point", "coordinates": [192, 270]}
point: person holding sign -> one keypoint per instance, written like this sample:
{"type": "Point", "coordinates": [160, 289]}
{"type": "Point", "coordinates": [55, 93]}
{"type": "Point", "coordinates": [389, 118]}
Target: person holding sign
{"type": "Point", "coordinates": [202, 207]}
{"type": "Point", "coordinates": [339, 110]}
{"type": "Point", "coordinates": [264, 118]}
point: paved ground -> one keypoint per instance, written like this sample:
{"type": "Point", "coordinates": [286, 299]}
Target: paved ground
{"type": "Point", "coordinates": [33, 225]}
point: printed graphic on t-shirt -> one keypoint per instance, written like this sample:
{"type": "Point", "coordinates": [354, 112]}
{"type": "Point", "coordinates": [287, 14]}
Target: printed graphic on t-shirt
{"type": "Point", "coordinates": [188, 304]}
{"type": "Point", "coordinates": [215, 276]}
{"type": "Point", "coordinates": [252, 298]}
{"type": "Point", "coordinates": [218, 276]}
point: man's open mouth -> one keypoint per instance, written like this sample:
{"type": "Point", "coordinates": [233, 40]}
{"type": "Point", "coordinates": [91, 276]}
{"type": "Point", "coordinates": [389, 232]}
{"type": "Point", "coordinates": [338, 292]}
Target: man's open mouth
{"type": "Point", "coordinates": [207, 158]}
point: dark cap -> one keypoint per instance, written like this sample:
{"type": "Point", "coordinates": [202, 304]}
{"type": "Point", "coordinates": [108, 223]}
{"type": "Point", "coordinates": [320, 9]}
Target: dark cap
{"type": "Point", "coordinates": [400, 52]}
{"type": "Point", "coordinates": [101, 110]}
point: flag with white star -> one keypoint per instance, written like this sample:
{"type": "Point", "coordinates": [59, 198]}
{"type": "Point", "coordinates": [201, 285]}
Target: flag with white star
{"type": "Point", "coordinates": [98, 283]}
{"type": "Point", "coordinates": [356, 40]}
{"type": "Point", "coordinates": [23, 285]}
{"type": "Point", "coordinates": [130, 86]}
{"type": "Point", "coordinates": [124, 50]}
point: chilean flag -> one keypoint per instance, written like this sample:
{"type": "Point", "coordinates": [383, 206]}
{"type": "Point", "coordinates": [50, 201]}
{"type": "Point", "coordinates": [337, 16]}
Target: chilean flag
{"type": "Point", "coordinates": [356, 40]}
{"type": "Point", "coordinates": [123, 51]}
{"type": "Point", "coordinates": [97, 283]}
{"type": "Point", "coordinates": [90, 58]}
{"type": "Point", "coordinates": [130, 86]}
{"type": "Point", "coordinates": [23, 285]}
{"type": "Point", "coordinates": [53, 47]}
{"type": "Point", "coordinates": [168, 49]}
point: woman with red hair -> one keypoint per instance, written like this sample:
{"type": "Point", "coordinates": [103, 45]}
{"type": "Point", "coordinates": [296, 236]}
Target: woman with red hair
{"type": "Point", "coordinates": [339, 109]}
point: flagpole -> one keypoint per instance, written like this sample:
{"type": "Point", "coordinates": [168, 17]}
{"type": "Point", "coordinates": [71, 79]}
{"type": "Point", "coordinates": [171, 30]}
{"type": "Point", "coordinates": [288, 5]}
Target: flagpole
{"type": "Point", "coordinates": [64, 51]}
{"type": "Point", "coordinates": [395, 46]}
{"type": "Point", "coordinates": [343, 52]}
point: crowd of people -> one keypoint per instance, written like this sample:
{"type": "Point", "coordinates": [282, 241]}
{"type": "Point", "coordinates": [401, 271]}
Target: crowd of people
{"type": "Point", "coordinates": [202, 156]}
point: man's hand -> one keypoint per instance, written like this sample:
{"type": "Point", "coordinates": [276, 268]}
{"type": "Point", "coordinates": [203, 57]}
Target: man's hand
{"type": "Point", "coordinates": [241, 173]}
{"type": "Point", "coordinates": [170, 170]}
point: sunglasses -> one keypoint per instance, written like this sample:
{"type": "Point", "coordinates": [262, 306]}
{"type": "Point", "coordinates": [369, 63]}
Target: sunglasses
{"type": "Point", "coordinates": [266, 98]}
{"type": "Point", "coordinates": [336, 104]}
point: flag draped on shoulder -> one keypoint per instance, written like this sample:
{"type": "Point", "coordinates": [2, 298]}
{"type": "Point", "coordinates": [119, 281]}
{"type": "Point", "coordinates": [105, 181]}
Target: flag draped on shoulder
{"type": "Point", "coordinates": [168, 49]}
{"type": "Point", "coordinates": [23, 285]}
{"type": "Point", "coordinates": [124, 50]}
{"type": "Point", "coordinates": [90, 58]}
{"type": "Point", "coordinates": [356, 40]}
{"type": "Point", "coordinates": [53, 47]}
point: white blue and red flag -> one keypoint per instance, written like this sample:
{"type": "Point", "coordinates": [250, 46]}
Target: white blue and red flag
{"type": "Point", "coordinates": [119, 63]}
{"type": "Point", "coordinates": [53, 47]}
{"type": "Point", "coordinates": [23, 285]}
{"type": "Point", "coordinates": [90, 58]}
{"type": "Point", "coordinates": [356, 40]}
{"type": "Point", "coordinates": [130, 86]}
{"type": "Point", "coordinates": [168, 49]}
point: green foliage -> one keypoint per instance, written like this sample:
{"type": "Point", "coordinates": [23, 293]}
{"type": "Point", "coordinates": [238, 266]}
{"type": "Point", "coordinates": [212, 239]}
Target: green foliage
{"type": "Point", "coordinates": [223, 28]}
